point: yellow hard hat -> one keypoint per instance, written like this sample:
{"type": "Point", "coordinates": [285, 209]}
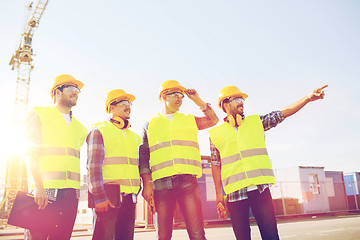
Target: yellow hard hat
{"type": "Point", "coordinates": [65, 79]}
{"type": "Point", "coordinates": [171, 85]}
{"type": "Point", "coordinates": [117, 94]}
{"type": "Point", "coordinates": [230, 91]}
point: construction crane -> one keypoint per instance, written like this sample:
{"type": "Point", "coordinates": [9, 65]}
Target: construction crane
{"type": "Point", "coordinates": [21, 61]}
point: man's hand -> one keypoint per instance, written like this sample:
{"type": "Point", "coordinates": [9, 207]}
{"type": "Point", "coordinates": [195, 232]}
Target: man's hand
{"type": "Point", "coordinates": [219, 199]}
{"type": "Point", "coordinates": [221, 207]}
{"type": "Point", "coordinates": [148, 195]}
{"type": "Point", "coordinates": [103, 206]}
{"type": "Point", "coordinates": [152, 206]}
{"type": "Point", "coordinates": [41, 198]}
{"type": "Point", "coordinates": [194, 96]}
{"type": "Point", "coordinates": [317, 94]}
{"type": "Point", "coordinates": [148, 192]}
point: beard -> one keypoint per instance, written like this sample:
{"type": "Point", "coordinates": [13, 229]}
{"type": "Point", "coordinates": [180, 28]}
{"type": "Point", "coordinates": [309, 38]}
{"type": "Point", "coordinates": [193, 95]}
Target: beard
{"type": "Point", "coordinates": [68, 102]}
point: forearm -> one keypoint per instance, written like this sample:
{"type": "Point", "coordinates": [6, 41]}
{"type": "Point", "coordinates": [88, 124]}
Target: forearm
{"type": "Point", "coordinates": [144, 152]}
{"type": "Point", "coordinates": [148, 190]}
{"type": "Point", "coordinates": [210, 119]}
{"type": "Point", "coordinates": [33, 161]}
{"type": "Point", "coordinates": [96, 185]}
{"type": "Point", "coordinates": [33, 136]}
{"type": "Point", "coordinates": [96, 157]}
{"type": "Point", "coordinates": [147, 180]}
{"type": "Point", "coordinates": [295, 107]}
{"type": "Point", "coordinates": [198, 101]}
{"type": "Point", "coordinates": [144, 159]}
{"type": "Point", "coordinates": [216, 173]}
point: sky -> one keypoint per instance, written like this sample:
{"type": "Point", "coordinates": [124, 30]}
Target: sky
{"type": "Point", "coordinates": [275, 51]}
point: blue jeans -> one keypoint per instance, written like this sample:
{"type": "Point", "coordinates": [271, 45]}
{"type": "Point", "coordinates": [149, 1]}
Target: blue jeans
{"type": "Point", "coordinates": [185, 191]}
{"type": "Point", "coordinates": [263, 210]}
{"type": "Point", "coordinates": [117, 223]}
{"type": "Point", "coordinates": [67, 203]}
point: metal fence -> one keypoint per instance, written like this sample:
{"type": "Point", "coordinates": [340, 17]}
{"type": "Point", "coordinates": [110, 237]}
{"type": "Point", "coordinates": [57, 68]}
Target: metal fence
{"type": "Point", "coordinates": [289, 198]}
{"type": "Point", "coordinates": [294, 198]}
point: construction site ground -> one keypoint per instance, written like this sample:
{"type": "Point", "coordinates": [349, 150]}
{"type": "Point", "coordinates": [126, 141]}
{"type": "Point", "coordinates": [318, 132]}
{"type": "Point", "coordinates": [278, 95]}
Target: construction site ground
{"type": "Point", "coordinates": [329, 226]}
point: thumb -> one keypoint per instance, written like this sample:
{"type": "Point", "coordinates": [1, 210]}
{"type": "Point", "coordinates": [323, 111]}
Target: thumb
{"type": "Point", "coordinates": [111, 205]}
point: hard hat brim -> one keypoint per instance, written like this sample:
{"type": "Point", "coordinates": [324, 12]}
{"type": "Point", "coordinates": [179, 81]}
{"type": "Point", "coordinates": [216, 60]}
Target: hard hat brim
{"type": "Point", "coordinates": [73, 82]}
{"type": "Point", "coordinates": [181, 88]}
{"type": "Point", "coordinates": [242, 95]}
{"type": "Point", "coordinates": [126, 96]}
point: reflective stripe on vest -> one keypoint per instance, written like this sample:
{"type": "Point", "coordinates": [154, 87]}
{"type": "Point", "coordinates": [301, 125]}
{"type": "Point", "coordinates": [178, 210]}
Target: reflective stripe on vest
{"type": "Point", "coordinates": [250, 174]}
{"type": "Point", "coordinates": [176, 161]}
{"type": "Point", "coordinates": [59, 158]}
{"type": "Point", "coordinates": [61, 176]}
{"type": "Point", "coordinates": [174, 143]}
{"type": "Point", "coordinates": [173, 146]}
{"type": "Point", "coordinates": [244, 158]}
{"type": "Point", "coordinates": [121, 157]}
{"type": "Point", "coordinates": [243, 154]}
{"type": "Point", "coordinates": [60, 151]}
{"type": "Point", "coordinates": [121, 160]}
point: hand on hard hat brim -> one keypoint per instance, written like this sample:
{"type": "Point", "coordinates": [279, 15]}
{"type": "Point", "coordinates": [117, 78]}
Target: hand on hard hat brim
{"type": "Point", "coordinates": [194, 96]}
{"type": "Point", "coordinates": [191, 92]}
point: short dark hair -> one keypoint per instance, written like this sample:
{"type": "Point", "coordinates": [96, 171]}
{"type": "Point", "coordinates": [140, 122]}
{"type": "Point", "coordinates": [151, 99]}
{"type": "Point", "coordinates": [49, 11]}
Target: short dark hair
{"type": "Point", "coordinates": [61, 88]}
{"type": "Point", "coordinates": [226, 100]}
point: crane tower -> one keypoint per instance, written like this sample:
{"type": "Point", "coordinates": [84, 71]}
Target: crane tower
{"type": "Point", "coordinates": [22, 62]}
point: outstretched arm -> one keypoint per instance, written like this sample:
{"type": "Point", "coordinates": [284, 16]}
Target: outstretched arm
{"type": "Point", "coordinates": [295, 107]}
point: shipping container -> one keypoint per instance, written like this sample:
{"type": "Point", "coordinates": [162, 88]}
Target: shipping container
{"type": "Point", "coordinates": [335, 189]}
{"type": "Point", "coordinates": [352, 182]}
{"type": "Point", "coordinates": [352, 186]}
{"type": "Point", "coordinates": [304, 184]}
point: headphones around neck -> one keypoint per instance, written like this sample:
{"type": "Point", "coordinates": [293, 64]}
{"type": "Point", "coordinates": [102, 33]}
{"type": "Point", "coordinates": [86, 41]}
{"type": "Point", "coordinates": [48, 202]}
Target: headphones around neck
{"type": "Point", "coordinates": [233, 122]}
{"type": "Point", "coordinates": [120, 123]}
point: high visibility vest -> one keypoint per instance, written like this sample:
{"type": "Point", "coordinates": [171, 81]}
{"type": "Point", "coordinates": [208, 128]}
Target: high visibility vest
{"type": "Point", "coordinates": [244, 158]}
{"type": "Point", "coordinates": [121, 157]}
{"type": "Point", "coordinates": [174, 147]}
{"type": "Point", "coordinates": [59, 159]}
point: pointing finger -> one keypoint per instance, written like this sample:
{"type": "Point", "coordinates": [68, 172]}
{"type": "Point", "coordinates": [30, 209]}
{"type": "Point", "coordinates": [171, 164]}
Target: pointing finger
{"type": "Point", "coordinates": [323, 87]}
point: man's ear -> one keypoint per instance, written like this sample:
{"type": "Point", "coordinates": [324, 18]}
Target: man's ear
{"type": "Point", "coordinates": [111, 107]}
{"type": "Point", "coordinates": [225, 107]}
{"type": "Point", "coordinates": [56, 92]}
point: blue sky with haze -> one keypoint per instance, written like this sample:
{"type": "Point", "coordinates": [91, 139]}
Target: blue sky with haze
{"type": "Point", "coordinates": [275, 51]}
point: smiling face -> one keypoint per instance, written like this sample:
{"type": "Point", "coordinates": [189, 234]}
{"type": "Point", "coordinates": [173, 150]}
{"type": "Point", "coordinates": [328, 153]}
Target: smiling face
{"type": "Point", "coordinates": [67, 96]}
{"type": "Point", "coordinates": [172, 101]}
{"type": "Point", "coordinates": [121, 109]}
{"type": "Point", "coordinates": [234, 106]}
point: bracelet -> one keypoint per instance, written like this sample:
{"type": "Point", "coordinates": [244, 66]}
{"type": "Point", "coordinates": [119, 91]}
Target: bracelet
{"type": "Point", "coordinates": [204, 107]}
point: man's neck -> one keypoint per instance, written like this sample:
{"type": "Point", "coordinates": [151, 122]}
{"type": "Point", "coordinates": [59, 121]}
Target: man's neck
{"type": "Point", "coordinates": [168, 111]}
{"type": "Point", "coordinates": [62, 108]}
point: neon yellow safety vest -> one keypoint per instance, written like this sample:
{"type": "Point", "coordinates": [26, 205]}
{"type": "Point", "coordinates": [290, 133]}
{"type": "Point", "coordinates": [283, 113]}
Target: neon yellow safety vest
{"type": "Point", "coordinates": [174, 147]}
{"type": "Point", "coordinates": [121, 157]}
{"type": "Point", "coordinates": [244, 158]}
{"type": "Point", "coordinates": [59, 160]}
